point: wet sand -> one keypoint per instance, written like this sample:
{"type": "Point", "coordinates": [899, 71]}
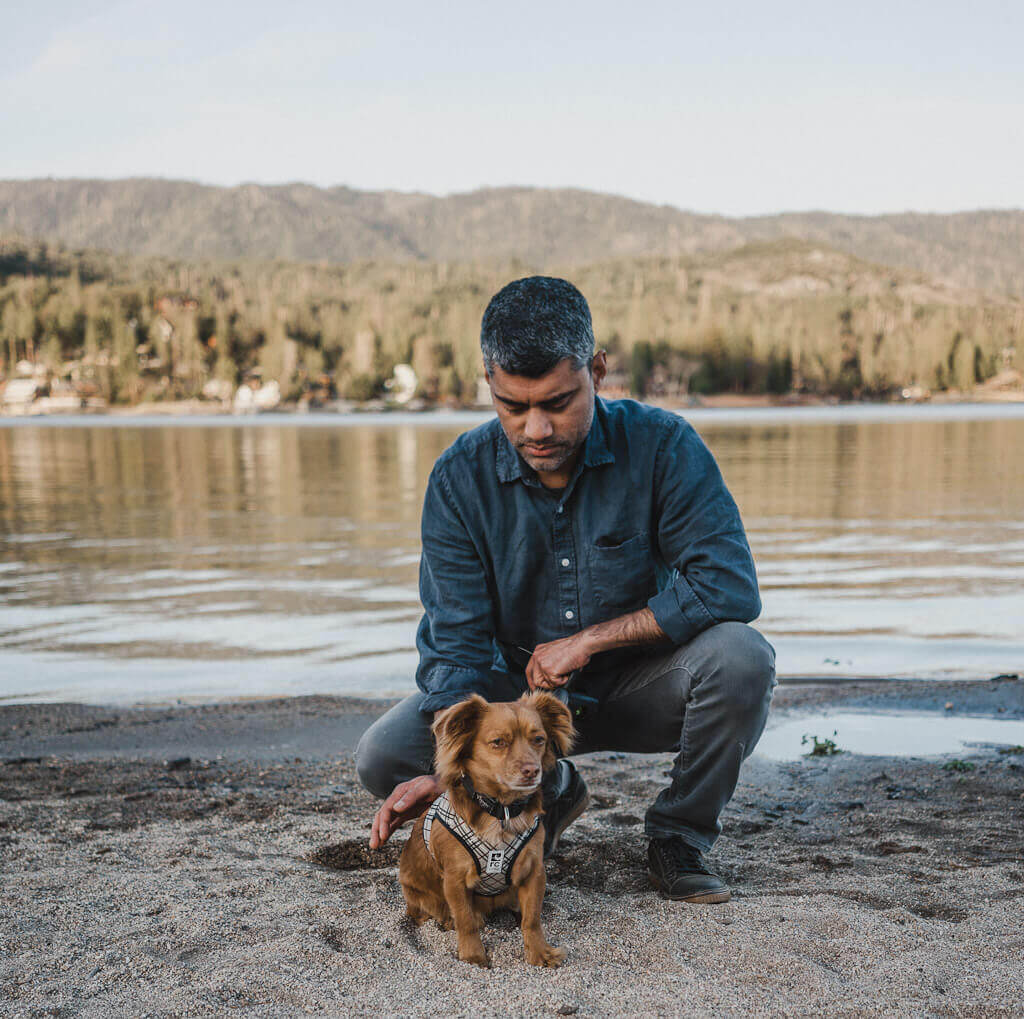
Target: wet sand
{"type": "Point", "coordinates": [212, 861]}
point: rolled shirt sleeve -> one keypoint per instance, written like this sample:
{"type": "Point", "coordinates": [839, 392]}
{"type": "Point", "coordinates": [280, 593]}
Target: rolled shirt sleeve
{"type": "Point", "coordinates": [455, 636]}
{"type": "Point", "coordinates": [701, 538]}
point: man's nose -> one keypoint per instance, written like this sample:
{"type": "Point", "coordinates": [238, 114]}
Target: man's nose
{"type": "Point", "coordinates": [537, 426]}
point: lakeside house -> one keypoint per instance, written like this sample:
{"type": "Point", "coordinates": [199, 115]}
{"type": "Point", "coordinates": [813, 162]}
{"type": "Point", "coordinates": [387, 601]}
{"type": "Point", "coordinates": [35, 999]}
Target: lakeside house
{"type": "Point", "coordinates": [19, 395]}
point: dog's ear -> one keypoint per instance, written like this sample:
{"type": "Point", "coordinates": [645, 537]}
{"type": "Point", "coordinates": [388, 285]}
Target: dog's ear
{"type": "Point", "coordinates": [453, 731]}
{"type": "Point", "coordinates": [557, 721]}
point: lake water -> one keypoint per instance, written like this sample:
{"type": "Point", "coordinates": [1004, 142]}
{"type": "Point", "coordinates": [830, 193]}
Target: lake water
{"type": "Point", "coordinates": [148, 560]}
{"type": "Point", "coordinates": [882, 734]}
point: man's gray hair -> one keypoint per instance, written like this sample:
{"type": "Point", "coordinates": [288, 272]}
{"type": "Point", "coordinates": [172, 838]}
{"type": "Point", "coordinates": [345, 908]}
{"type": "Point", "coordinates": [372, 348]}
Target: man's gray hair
{"type": "Point", "coordinates": [533, 323]}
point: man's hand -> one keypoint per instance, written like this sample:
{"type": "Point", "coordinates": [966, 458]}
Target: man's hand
{"type": "Point", "coordinates": [408, 800]}
{"type": "Point", "coordinates": [551, 664]}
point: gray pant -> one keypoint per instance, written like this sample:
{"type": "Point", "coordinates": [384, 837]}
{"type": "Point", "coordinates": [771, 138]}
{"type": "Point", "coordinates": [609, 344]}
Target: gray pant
{"type": "Point", "coordinates": [707, 700]}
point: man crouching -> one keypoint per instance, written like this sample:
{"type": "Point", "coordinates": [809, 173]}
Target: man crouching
{"type": "Point", "coordinates": [588, 547]}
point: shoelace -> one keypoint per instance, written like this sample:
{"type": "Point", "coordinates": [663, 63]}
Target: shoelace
{"type": "Point", "coordinates": [681, 855]}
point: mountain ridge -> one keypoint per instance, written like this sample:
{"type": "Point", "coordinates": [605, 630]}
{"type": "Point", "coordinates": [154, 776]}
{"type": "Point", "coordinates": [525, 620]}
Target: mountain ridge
{"type": "Point", "coordinates": [979, 249]}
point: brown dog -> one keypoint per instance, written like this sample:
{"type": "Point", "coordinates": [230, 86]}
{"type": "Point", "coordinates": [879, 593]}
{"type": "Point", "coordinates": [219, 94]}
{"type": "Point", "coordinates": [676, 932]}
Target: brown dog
{"type": "Point", "coordinates": [480, 846]}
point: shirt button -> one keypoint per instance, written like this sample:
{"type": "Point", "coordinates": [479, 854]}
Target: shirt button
{"type": "Point", "coordinates": [565, 562]}
{"type": "Point", "coordinates": [568, 613]}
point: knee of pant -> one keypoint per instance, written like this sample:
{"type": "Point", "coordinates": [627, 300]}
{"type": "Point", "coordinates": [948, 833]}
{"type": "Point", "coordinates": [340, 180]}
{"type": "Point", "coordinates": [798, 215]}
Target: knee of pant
{"type": "Point", "coordinates": [374, 766]}
{"type": "Point", "coordinates": [746, 667]}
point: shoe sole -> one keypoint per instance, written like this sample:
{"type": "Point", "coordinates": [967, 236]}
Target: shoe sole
{"type": "Point", "coordinates": [702, 899]}
{"type": "Point", "coordinates": [569, 818]}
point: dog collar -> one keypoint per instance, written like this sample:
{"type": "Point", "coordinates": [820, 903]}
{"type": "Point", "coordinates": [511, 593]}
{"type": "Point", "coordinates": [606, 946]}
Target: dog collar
{"type": "Point", "coordinates": [503, 812]}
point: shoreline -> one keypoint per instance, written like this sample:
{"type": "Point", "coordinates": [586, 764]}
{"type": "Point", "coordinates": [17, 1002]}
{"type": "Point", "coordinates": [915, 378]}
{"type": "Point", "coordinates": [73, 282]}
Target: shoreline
{"type": "Point", "coordinates": [321, 727]}
{"type": "Point", "coordinates": [232, 876]}
{"type": "Point", "coordinates": [369, 702]}
{"type": "Point", "coordinates": [319, 721]}
{"type": "Point", "coordinates": [199, 415]}
{"type": "Point", "coordinates": [983, 396]}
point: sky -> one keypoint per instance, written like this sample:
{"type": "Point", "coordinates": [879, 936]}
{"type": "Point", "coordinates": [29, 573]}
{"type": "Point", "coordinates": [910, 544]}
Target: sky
{"type": "Point", "coordinates": [740, 108]}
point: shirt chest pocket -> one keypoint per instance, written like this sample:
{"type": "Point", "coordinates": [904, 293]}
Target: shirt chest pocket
{"type": "Point", "coordinates": [622, 575]}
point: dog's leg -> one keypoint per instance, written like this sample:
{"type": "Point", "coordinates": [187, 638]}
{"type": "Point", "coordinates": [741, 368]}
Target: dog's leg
{"type": "Point", "coordinates": [439, 910]}
{"type": "Point", "coordinates": [438, 913]}
{"type": "Point", "coordinates": [465, 918]}
{"type": "Point", "coordinates": [423, 903]}
{"type": "Point", "coordinates": [417, 915]}
{"type": "Point", "coordinates": [531, 896]}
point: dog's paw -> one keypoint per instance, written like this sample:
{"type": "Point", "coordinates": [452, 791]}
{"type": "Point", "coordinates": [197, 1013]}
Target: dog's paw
{"type": "Point", "coordinates": [478, 957]}
{"type": "Point", "coordinates": [547, 956]}
{"type": "Point", "coordinates": [444, 923]}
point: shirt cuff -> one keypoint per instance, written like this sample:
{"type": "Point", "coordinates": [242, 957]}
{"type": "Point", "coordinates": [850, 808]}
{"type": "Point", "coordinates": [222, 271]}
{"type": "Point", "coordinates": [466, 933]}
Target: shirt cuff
{"type": "Point", "coordinates": [680, 613]}
{"type": "Point", "coordinates": [445, 685]}
{"type": "Point", "coordinates": [444, 699]}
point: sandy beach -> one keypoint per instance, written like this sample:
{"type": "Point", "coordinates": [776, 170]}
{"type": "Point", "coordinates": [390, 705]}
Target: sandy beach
{"type": "Point", "coordinates": [212, 860]}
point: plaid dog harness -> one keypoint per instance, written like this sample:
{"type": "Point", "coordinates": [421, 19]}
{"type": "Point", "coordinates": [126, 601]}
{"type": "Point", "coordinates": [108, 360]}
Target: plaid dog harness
{"type": "Point", "coordinates": [493, 863]}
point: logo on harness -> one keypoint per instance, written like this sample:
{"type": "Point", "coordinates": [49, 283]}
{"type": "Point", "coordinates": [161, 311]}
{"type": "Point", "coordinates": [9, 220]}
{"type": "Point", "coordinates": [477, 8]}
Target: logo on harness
{"type": "Point", "coordinates": [495, 861]}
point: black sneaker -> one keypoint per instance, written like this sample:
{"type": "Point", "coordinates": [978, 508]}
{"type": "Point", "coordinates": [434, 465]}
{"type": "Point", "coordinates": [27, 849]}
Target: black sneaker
{"type": "Point", "coordinates": [565, 798]}
{"type": "Point", "coordinates": [677, 870]}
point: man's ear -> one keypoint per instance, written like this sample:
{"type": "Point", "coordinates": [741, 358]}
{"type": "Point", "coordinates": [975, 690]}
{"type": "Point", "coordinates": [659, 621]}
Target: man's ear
{"type": "Point", "coordinates": [454, 729]}
{"type": "Point", "coordinates": [599, 368]}
{"type": "Point", "coordinates": [557, 721]}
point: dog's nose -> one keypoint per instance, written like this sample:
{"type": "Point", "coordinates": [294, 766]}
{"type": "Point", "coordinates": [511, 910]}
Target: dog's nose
{"type": "Point", "coordinates": [529, 772]}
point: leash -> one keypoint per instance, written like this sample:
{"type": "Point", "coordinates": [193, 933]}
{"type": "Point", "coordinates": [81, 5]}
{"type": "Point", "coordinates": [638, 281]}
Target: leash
{"type": "Point", "coordinates": [579, 704]}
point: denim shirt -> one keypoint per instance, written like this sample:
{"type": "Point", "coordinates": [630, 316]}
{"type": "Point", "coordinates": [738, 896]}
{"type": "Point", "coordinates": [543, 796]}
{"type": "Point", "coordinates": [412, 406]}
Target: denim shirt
{"type": "Point", "coordinates": [646, 520]}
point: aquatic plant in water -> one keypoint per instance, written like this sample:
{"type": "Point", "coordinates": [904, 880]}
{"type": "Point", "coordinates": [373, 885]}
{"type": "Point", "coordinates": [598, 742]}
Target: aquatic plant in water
{"type": "Point", "coordinates": [821, 747]}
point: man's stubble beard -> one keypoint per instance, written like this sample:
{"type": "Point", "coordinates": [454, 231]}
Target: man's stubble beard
{"type": "Point", "coordinates": [565, 451]}
{"type": "Point", "coordinates": [553, 462]}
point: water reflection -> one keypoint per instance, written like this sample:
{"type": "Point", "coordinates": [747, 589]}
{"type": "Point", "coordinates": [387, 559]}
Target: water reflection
{"type": "Point", "coordinates": [274, 558]}
{"type": "Point", "coordinates": [888, 735]}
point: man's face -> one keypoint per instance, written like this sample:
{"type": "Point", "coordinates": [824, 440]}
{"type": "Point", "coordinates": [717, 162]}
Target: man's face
{"type": "Point", "coordinates": [547, 419]}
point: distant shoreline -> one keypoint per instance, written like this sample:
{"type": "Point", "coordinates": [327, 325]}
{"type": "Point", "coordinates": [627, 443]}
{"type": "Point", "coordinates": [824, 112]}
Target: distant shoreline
{"type": "Point", "coordinates": [197, 413]}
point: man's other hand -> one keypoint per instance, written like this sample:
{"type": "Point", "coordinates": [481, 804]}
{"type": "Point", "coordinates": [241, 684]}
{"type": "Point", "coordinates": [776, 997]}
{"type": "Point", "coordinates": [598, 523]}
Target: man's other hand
{"type": "Point", "coordinates": [408, 800]}
{"type": "Point", "coordinates": [553, 663]}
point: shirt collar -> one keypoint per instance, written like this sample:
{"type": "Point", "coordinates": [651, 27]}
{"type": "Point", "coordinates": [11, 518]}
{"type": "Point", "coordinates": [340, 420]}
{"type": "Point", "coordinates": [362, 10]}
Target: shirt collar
{"type": "Point", "coordinates": [511, 466]}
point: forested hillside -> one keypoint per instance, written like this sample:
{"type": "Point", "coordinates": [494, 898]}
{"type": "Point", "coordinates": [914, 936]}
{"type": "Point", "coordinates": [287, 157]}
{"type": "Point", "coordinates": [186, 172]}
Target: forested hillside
{"type": "Point", "coordinates": [786, 316]}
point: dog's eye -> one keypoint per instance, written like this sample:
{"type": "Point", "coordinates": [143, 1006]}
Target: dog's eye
{"type": "Point", "coordinates": [539, 740]}
{"type": "Point", "coordinates": [497, 743]}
